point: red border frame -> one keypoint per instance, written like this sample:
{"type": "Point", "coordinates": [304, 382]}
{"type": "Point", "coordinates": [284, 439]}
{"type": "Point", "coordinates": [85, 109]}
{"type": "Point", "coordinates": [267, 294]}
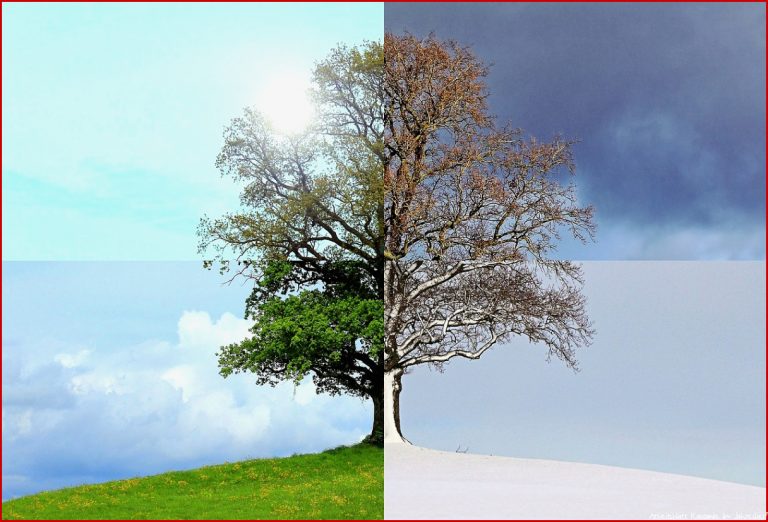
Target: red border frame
{"type": "Point", "coordinates": [349, 1]}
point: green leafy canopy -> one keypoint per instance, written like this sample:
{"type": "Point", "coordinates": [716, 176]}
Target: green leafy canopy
{"type": "Point", "coordinates": [334, 337]}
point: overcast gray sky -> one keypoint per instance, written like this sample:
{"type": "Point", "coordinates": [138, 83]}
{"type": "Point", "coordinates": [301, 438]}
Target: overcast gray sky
{"type": "Point", "coordinates": [667, 100]}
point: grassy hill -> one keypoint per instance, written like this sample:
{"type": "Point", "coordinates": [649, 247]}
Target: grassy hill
{"type": "Point", "coordinates": [342, 483]}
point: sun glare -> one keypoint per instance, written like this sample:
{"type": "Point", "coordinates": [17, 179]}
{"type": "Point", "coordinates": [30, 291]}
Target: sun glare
{"type": "Point", "coordinates": [285, 103]}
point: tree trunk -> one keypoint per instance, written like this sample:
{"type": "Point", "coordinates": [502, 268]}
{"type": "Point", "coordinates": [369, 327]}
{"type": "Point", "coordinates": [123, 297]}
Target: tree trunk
{"type": "Point", "coordinates": [377, 430]}
{"type": "Point", "coordinates": [392, 387]}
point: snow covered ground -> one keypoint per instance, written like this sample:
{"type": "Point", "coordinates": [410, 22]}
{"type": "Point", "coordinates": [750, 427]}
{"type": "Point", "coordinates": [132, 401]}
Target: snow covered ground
{"type": "Point", "coordinates": [421, 483]}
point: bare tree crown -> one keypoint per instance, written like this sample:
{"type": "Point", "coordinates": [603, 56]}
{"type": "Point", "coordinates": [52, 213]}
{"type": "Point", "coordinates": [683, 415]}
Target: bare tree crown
{"type": "Point", "coordinates": [472, 216]}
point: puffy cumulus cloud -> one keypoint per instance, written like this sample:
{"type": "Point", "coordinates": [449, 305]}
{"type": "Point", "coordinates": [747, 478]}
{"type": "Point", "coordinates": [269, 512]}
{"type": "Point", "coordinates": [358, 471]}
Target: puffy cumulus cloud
{"type": "Point", "coordinates": [82, 414]}
{"type": "Point", "coordinates": [196, 330]}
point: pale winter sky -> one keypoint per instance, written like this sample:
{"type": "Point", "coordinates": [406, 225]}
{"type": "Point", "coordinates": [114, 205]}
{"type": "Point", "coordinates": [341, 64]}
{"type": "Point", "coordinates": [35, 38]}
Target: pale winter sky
{"type": "Point", "coordinates": [674, 382]}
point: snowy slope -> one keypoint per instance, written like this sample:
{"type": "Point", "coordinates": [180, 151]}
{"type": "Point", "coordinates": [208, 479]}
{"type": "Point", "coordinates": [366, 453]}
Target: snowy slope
{"type": "Point", "coordinates": [422, 483]}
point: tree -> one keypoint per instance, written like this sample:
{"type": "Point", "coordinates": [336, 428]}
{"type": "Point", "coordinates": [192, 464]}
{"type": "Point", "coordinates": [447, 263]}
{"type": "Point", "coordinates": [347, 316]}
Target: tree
{"type": "Point", "coordinates": [472, 216]}
{"type": "Point", "coordinates": [310, 235]}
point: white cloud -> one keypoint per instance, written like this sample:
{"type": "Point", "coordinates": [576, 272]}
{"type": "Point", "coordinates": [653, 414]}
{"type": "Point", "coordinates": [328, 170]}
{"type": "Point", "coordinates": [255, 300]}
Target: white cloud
{"type": "Point", "coordinates": [70, 360]}
{"type": "Point", "coordinates": [181, 378]}
{"type": "Point", "coordinates": [95, 382]}
{"type": "Point", "coordinates": [197, 331]}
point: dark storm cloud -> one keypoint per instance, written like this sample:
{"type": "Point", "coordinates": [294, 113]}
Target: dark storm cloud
{"type": "Point", "coordinates": [667, 102]}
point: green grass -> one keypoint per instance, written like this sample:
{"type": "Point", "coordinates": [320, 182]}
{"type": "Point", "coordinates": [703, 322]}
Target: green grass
{"type": "Point", "coordinates": [342, 483]}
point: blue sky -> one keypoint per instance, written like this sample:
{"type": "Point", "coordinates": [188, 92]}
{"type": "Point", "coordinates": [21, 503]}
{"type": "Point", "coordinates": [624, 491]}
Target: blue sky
{"type": "Point", "coordinates": [666, 99]}
{"type": "Point", "coordinates": [113, 115]}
